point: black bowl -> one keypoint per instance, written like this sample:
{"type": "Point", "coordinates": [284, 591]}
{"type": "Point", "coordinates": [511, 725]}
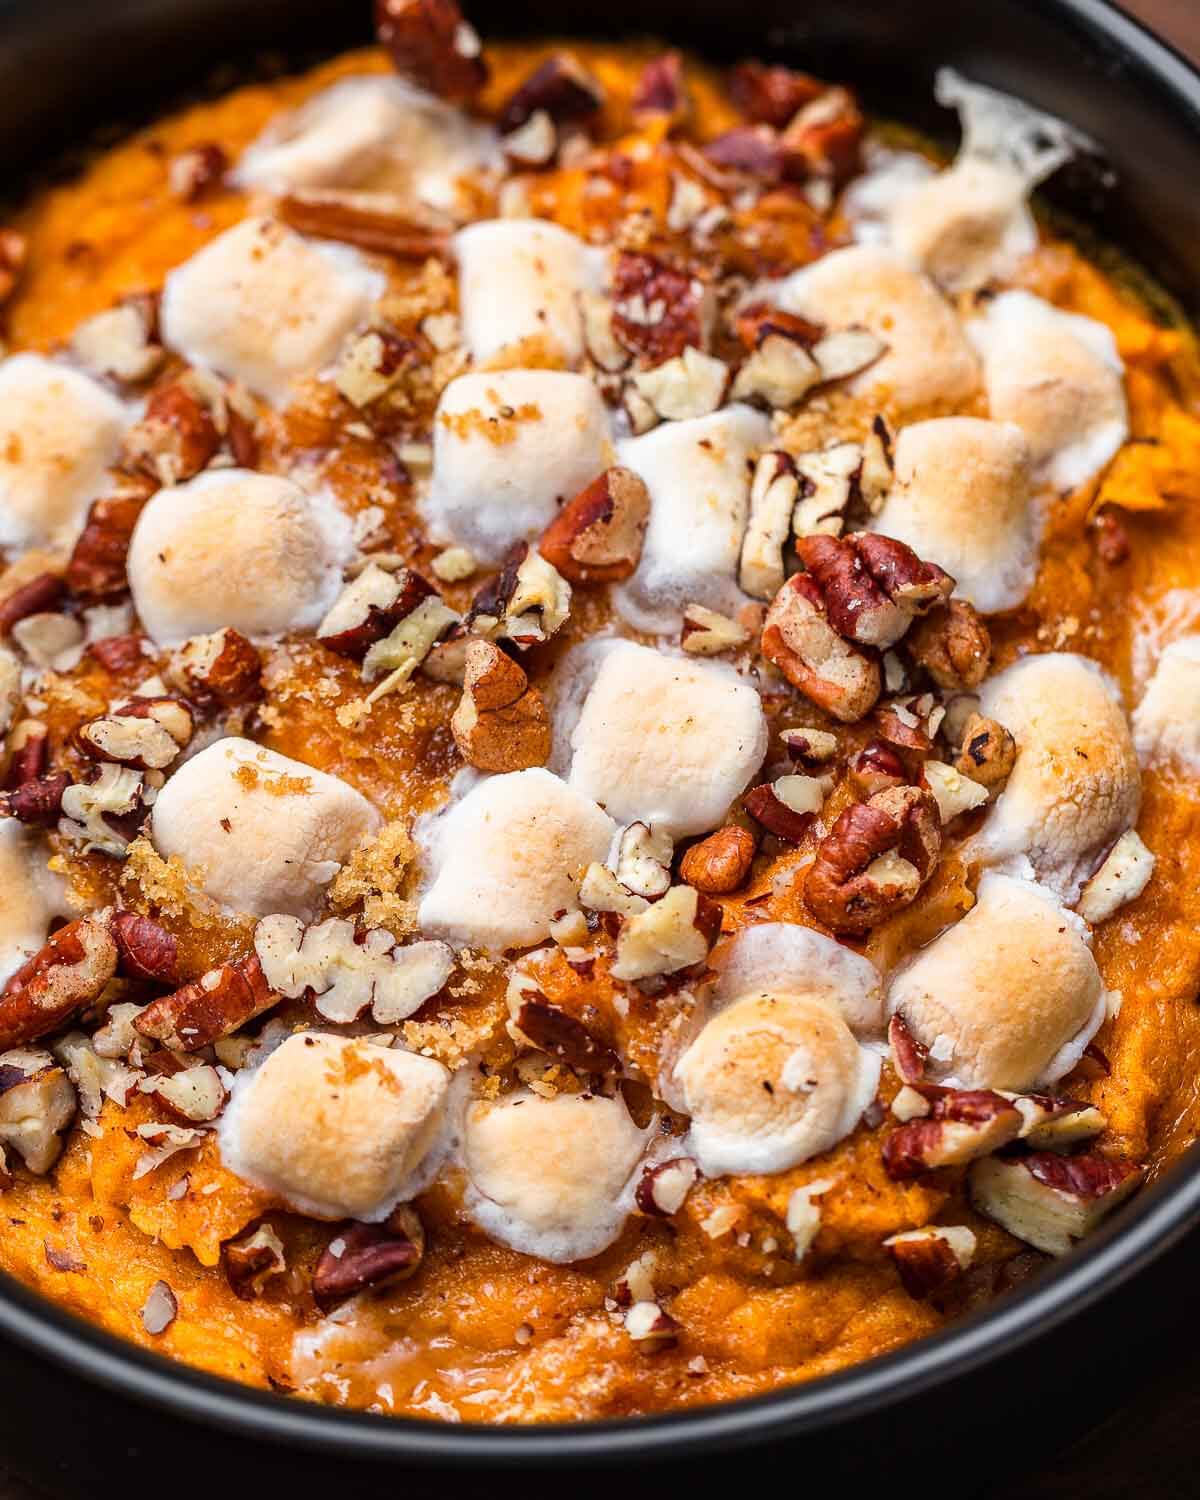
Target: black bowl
{"type": "Point", "coordinates": [67, 66]}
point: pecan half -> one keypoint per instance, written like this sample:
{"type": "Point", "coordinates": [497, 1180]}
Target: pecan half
{"type": "Point", "coordinates": [64, 976]}
{"type": "Point", "coordinates": [874, 860]}
{"type": "Point", "coordinates": [144, 949]}
{"type": "Point", "coordinates": [658, 309]}
{"type": "Point", "coordinates": [176, 438]}
{"type": "Point", "coordinates": [561, 88]}
{"type": "Point", "coordinates": [209, 1007]}
{"type": "Point", "coordinates": [771, 95]}
{"type": "Point", "coordinates": [220, 670]}
{"type": "Point", "coordinates": [431, 44]}
{"type": "Point", "coordinates": [40, 595]}
{"type": "Point", "coordinates": [501, 723]}
{"type": "Point", "coordinates": [962, 1124]}
{"type": "Point", "coordinates": [597, 537]}
{"type": "Point", "coordinates": [952, 643]}
{"type": "Point", "coordinates": [830, 671]}
{"type": "Point", "coordinates": [364, 1257]}
{"type": "Point", "coordinates": [721, 862]}
{"type": "Point", "coordinates": [988, 753]}
{"type": "Point", "coordinates": [872, 586]}
{"type": "Point", "coordinates": [564, 1036]}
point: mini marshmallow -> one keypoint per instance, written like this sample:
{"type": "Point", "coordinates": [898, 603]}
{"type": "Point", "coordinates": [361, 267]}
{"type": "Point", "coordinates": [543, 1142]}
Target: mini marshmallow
{"type": "Point", "coordinates": [262, 832]}
{"type": "Point", "coordinates": [771, 1081]}
{"type": "Point", "coordinates": [928, 361]}
{"type": "Point", "coordinates": [336, 1126]}
{"type": "Point", "coordinates": [373, 127]}
{"type": "Point", "coordinates": [507, 859]}
{"type": "Point", "coordinates": [59, 432]}
{"type": "Point", "coordinates": [1166, 723]}
{"type": "Point", "coordinates": [1075, 786]}
{"type": "Point", "coordinates": [551, 1177]}
{"type": "Point", "coordinates": [1059, 377]}
{"type": "Point", "coordinates": [698, 474]}
{"type": "Point", "coordinates": [962, 499]}
{"type": "Point", "coordinates": [1007, 998]}
{"type": "Point", "coordinates": [508, 448]}
{"type": "Point", "coordinates": [32, 897]}
{"type": "Point", "coordinates": [665, 740]}
{"type": "Point", "coordinates": [235, 548]}
{"type": "Point", "coordinates": [966, 226]}
{"type": "Point", "coordinates": [785, 959]}
{"type": "Point", "coordinates": [262, 305]}
{"type": "Point", "coordinates": [519, 282]}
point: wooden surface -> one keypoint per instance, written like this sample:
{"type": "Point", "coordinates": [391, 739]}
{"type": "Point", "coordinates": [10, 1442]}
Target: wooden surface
{"type": "Point", "coordinates": [1111, 1411]}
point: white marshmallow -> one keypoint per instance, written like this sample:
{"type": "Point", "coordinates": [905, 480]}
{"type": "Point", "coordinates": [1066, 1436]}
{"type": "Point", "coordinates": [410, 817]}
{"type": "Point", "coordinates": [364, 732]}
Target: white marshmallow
{"type": "Point", "coordinates": [31, 896]}
{"type": "Point", "coordinates": [337, 1126]}
{"type": "Point", "coordinates": [1166, 723]}
{"type": "Point", "coordinates": [235, 548]}
{"type": "Point", "coordinates": [966, 226]}
{"type": "Point", "coordinates": [961, 499]}
{"type": "Point", "coordinates": [698, 474]}
{"type": "Point", "coordinates": [1059, 377]}
{"type": "Point", "coordinates": [1075, 786]}
{"type": "Point", "coordinates": [665, 740]}
{"type": "Point", "coordinates": [508, 858]}
{"type": "Point", "coordinates": [928, 361]}
{"type": "Point", "coordinates": [551, 1177]}
{"type": "Point", "coordinates": [508, 449]}
{"type": "Point", "coordinates": [820, 1081]}
{"type": "Point", "coordinates": [290, 827]}
{"type": "Point", "coordinates": [519, 280]}
{"type": "Point", "coordinates": [1007, 998]}
{"type": "Point", "coordinates": [783, 958]}
{"type": "Point", "coordinates": [59, 431]}
{"type": "Point", "coordinates": [370, 127]}
{"type": "Point", "coordinates": [262, 305]}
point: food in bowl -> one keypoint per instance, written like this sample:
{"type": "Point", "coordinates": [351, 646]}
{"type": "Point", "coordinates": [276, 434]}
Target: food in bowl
{"type": "Point", "coordinates": [599, 676]}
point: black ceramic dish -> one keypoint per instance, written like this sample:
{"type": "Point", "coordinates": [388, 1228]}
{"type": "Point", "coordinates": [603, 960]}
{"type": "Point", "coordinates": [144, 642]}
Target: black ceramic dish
{"type": "Point", "coordinates": [67, 66]}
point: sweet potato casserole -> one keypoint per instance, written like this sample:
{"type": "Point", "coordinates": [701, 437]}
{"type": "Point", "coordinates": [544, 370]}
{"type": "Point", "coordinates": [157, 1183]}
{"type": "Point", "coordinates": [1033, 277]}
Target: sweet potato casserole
{"type": "Point", "coordinates": [600, 694]}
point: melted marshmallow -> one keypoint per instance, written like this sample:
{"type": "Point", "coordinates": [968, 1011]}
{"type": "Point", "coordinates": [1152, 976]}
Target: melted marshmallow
{"type": "Point", "coordinates": [1166, 723]}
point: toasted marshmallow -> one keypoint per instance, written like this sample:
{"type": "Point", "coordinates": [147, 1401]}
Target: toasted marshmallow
{"type": "Point", "coordinates": [928, 361]}
{"type": "Point", "coordinates": [262, 832]}
{"type": "Point", "coordinates": [32, 897]}
{"type": "Point", "coordinates": [376, 128]}
{"type": "Point", "coordinates": [1007, 998]}
{"type": "Point", "coordinates": [336, 1126]}
{"type": "Point", "coordinates": [966, 226]}
{"type": "Point", "coordinates": [551, 1177]}
{"type": "Point", "coordinates": [508, 858]}
{"type": "Point", "coordinates": [519, 282]}
{"type": "Point", "coordinates": [698, 475]}
{"type": "Point", "coordinates": [59, 432]}
{"type": "Point", "coordinates": [262, 305]}
{"type": "Point", "coordinates": [782, 958]}
{"type": "Point", "coordinates": [962, 499]}
{"type": "Point", "coordinates": [1059, 377]}
{"type": "Point", "coordinates": [235, 548]}
{"type": "Point", "coordinates": [772, 1080]}
{"type": "Point", "coordinates": [665, 740]}
{"type": "Point", "coordinates": [508, 449]}
{"type": "Point", "coordinates": [1166, 723]}
{"type": "Point", "coordinates": [1075, 787]}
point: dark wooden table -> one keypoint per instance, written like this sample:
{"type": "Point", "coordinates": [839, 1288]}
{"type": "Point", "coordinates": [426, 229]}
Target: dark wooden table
{"type": "Point", "coordinates": [1110, 1411]}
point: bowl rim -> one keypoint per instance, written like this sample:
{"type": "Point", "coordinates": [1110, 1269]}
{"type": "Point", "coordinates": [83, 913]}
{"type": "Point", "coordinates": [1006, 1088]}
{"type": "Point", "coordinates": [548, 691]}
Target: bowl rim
{"type": "Point", "coordinates": [1137, 1235]}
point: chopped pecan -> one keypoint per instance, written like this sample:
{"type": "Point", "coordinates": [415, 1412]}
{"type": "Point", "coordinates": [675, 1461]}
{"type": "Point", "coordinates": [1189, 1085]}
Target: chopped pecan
{"type": "Point", "coordinates": [809, 747]}
{"type": "Point", "coordinates": [37, 1101]}
{"type": "Point", "coordinates": [663, 1188]}
{"type": "Point", "coordinates": [757, 321]}
{"type": "Point", "coordinates": [829, 482]}
{"type": "Point", "coordinates": [119, 653]}
{"type": "Point", "coordinates": [29, 749]}
{"type": "Point", "coordinates": [872, 586]}
{"type": "Point", "coordinates": [674, 933]}
{"type": "Point", "coordinates": [501, 722]}
{"type": "Point", "coordinates": [364, 1257]}
{"type": "Point", "coordinates": [787, 806]}
{"type": "Point", "coordinates": [563, 1036]}
{"type": "Point", "coordinates": [909, 1057]}
{"type": "Point", "coordinates": [431, 44]}
{"type": "Point", "coordinates": [146, 734]}
{"type": "Point", "coordinates": [930, 1260]}
{"type": "Point", "coordinates": [220, 670]}
{"type": "Point", "coordinates": [368, 221]}
{"type": "Point", "coordinates": [144, 949]}
{"type": "Point", "coordinates": [988, 753]}
{"type": "Point", "coordinates": [771, 95]}
{"type": "Point", "coordinates": [176, 438]}
{"type": "Point", "coordinates": [721, 862]}
{"type": "Point", "coordinates": [910, 724]}
{"type": "Point", "coordinates": [122, 343]}
{"type": "Point", "coordinates": [825, 139]}
{"type": "Point", "coordinates": [198, 170]}
{"type": "Point", "coordinates": [830, 671]}
{"type": "Point", "coordinates": [952, 643]}
{"type": "Point", "coordinates": [774, 491]}
{"type": "Point", "coordinates": [1052, 1123]}
{"type": "Point", "coordinates": [370, 608]}
{"type": "Point", "coordinates": [874, 860]}
{"type": "Point", "coordinates": [876, 767]}
{"type": "Point", "coordinates": [534, 144]}
{"type": "Point", "coordinates": [597, 537]}
{"type": "Point", "coordinates": [780, 371]}
{"type": "Point", "coordinates": [97, 566]}
{"type": "Point", "coordinates": [704, 632]}
{"type": "Point", "coordinates": [40, 595]}
{"type": "Point", "coordinates": [14, 250]}
{"type": "Point", "coordinates": [660, 90]}
{"type": "Point", "coordinates": [560, 87]}
{"type": "Point", "coordinates": [650, 1328]}
{"type": "Point", "coordinates": [962, 1124]}
{"type": "Point", "coordinates": [526, 602]}
{"type": "Point", "coordinates": [752, 150]}
{"type": "Point", "coordinates": [60, 979]}
{"type": "Point", "coordinates": [658, 309]}
{"type": "Point", "coordinates": [37, 801]}
{"type": "Point", "coordinates": [251, 1260]}
{"type": "Point", "coordinates": [1051, 1201]}
{"type": "Point", "coordinates": [209, 1007]}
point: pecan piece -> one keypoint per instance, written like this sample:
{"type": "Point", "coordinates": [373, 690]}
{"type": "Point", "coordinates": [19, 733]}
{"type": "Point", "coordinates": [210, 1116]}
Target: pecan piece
{"type": "Point", "coordinates": [962, 1125]}
{"type": "Point", "coordinates": [251, 1260]}
{"type": "Point", "coordinates": [830, 671]}
{"type": "Point", "coordinates": [37, 1101]}
{"type": "Point", "coordinates": [220, 670]}
{"type": "Point", "coordinates": [597, 537]}
{"type": "Point", "coordinates": [876, 767]}
{"type": "Point", "coordinates": [988, 753]}
{"type": "Point", "coordinates": [40, 595]}
{"type": "Point", "coordinates": [650, 1328]}
{"type": "Point", "coordinates": [431, 44]}
{"type": "Point", "coordinates": [663, 1188]}
{"type": "Point", "coordinates": [176, 438]}
{"type": "Point", "coordinates": [752, 150]}
{"type": "Point", "coordinates": [874, 860]}
{"type": "Point", "coordinates": [501, 723]}
{"type": "Point", "coordinates": [1051, 1201]}
{"type": "Point", "coordinates": [369, 609]}
{"type": "Point", "coordinates": [771, 95]}
{"type": "Point", "coordinates": [147, 734]}
{"type": "Point", "coordinates": [930, 1260]}
{"type": "Point", "coordinates": [198, 170]}
{"type": "Point", "coordinates": [369, 1256]}
{"type": "Point", "coordinates": [564, 1036]}
{"type": "Point", "coordinates": [825, 139]}
{"type": "Point", "coordinates": [952, 643]}
{"type": "Point", "coordinates": [144, 949]}
{"type": "Point", "coordinates": [118, 653]}
{"type": "Point", "coordinates": [721, 862]}
{"type": "Point", "coordinates": [673, 934]}
{"type": "Point", "coordinates": [560, 88]}
{"type": "Point", "coordinates": [37, 801]}
{"type": "Point", "coordinates": [909, 1057]}
{"type": "Point", "coordinates": [97, 566]}
{"type": "Point", "coordinates": [209, 1007]}
{"type": "Point", "coordinates": [64, 976]}
{"type": "Point", "coordinates": [872, 586]}
{"type": "Point", "coordinates": [368, 221]}
{"type": "Point", "coordinates": [659, 91]}
{"type": "Point", "coordinates": [787, 806]}
{"type": "Point", "coordinates": [658, 309]}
